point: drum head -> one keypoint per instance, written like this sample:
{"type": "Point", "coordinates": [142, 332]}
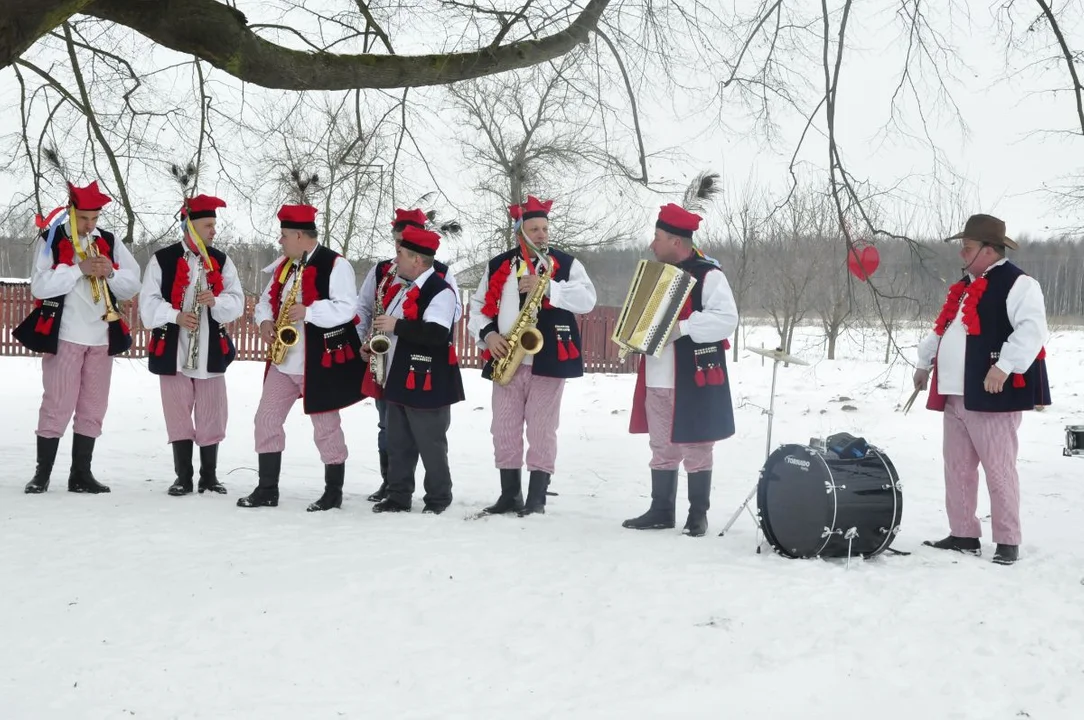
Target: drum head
{"type": "Point", "coordinates": [794, 501]}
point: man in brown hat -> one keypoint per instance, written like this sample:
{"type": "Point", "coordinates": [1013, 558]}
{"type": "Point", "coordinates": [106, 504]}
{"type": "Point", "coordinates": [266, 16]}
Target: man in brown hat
{"type": "Point", "coordinates": [986, 351]}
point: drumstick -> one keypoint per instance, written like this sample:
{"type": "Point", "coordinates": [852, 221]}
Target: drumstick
{"type": "Point", "coordinates": [910, 401]}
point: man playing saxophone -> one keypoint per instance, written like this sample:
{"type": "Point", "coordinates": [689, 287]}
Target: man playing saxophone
{"type": "Point", "coordinates": [311, 298]}
{"type": "Point", "coordinates": [423, 380]}
{"type": "Point", "coordinates": [191, 291]}
{"type": "Point", "coordinates": [79, 273]}
{"type": "Point", "coordinates": [378, 291]}
{"type": "Point", "coordinates": [529, 393]}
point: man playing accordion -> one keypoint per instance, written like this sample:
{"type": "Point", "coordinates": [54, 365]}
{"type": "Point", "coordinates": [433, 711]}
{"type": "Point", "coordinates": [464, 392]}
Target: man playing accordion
{"type": "Point", "coordinates": [682, 398]}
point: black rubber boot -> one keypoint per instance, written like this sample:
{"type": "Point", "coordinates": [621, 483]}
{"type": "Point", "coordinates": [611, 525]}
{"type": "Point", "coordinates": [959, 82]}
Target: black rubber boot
{"type": "Point", "coordinates": [182, 466]}
{"type": "Point", "coordinates": [266, 493]}
{"type": "Point", "coordinates": [970, 546]}
{"type": "Point", "coordinates": [511, 499]}
{"type": "Point", "coordinates": [536, 494]}
{"type": "Point", "coordinates": [699, 501]}
{"type": "Point", "coordinates": [47, 448]}
{"type": "Point", "coordinates": [334, 475]}
{"type": "Point", "coordinates": [660, 515]}
{"type": "Point", "coordinates": [383, 491]}
{"type": "Point", "coordinates": [208, 470]}
{"type": "Point", "coordinates": [1006, 554]}
{"type": "Point", "coordinates": [81, 479]}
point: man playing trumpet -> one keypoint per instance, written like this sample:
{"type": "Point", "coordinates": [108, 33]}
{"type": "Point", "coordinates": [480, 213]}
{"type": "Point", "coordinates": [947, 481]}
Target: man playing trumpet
{"type": "Point", "coordinates": [79, 274]}
{"type": "Point", "coordinates": [190, 292]}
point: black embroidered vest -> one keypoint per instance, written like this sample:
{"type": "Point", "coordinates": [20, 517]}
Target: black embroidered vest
{"type": "Point", "coordinates": [163, 344]}
{"type": "Point", "coordinates": [425, 376]}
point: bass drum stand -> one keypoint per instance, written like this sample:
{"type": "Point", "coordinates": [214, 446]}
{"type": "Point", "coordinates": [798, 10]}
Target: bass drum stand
{"type": "Point", "coordinates": [777, 357]}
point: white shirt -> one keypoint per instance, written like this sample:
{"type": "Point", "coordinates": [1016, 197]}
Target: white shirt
{"type": "Point", "coordinates": [156, 311]}
{"type": "Point", "coordinates": [715, 323]}
{"type": "Point", "coordinates": [82, 322]}
{"type": "Point", "coordinates": [576, 295]}
{"type": "Point", "coordinates": [442, 309]}
{"type": "Point", "coordinates": [337, 310]}
{"type": "Point", "coordinates": [367, 297]}
{"type": "Point", "coordinates": [1027, 315]}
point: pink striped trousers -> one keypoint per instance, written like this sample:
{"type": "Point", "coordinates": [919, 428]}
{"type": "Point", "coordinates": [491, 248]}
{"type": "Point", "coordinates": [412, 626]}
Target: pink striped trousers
{"type": "Point", "coordinates": [533, 400]}
{"type": "Point", "coordinates": [990, 439]}
{"type": "Point", "coordinates": [75, 381]}
{"type": "Point", "coordinates": [667, 455]}
{"type": "Point", "coordinates": [280, 392]}
{"type": "Point", "coordinates": [205, 398]}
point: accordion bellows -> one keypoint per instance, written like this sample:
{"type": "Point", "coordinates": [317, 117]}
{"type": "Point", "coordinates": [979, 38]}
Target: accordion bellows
{"type": "Point", "coordinates": [656, 295]}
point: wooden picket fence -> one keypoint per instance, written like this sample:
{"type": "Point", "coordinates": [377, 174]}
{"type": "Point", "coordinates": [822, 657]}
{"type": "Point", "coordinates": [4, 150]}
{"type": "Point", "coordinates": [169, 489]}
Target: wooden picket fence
{"type": "Point", "coordinates": [598, 351]}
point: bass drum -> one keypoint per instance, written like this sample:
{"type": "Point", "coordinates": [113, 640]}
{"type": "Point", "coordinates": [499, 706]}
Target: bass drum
{"type": "Point", "coordinates": [814, 504]}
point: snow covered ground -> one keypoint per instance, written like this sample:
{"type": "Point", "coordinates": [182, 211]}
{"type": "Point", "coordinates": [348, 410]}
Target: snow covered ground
{"type": "Point", "coordinates": [136, 604]}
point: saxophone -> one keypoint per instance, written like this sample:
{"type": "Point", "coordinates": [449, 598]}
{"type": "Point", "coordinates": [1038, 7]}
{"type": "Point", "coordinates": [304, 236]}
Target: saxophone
{"type": "Point", "coordinates": [286, 335]}
{"type": "Point", "coordinates": [380, 344]}
{"type": "Point", "coordinates": [192, 361]}
{"type": "Point", "coordinates": [524, 338]}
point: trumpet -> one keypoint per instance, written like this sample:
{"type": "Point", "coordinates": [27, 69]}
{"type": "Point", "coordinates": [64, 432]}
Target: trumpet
{"type": "Point", "coordinates": [99, 289]}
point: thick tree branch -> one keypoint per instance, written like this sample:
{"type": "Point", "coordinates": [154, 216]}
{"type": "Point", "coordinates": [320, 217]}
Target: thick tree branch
{"type": "Point", "coordinates": [221, 36]}
{"type": "Point", "coordinates": [24, 22]}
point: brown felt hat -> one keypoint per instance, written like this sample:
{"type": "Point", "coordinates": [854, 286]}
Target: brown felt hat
{"type": "Point", "coordinates": [986, 229]}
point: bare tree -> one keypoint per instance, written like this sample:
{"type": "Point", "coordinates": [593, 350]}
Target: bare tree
{"type": "Point", "coordinates": [790, 268]}
{"type": "Point", "coordinates": [740, 249]}
{"type": "Point", "coordinates": [534, 133]}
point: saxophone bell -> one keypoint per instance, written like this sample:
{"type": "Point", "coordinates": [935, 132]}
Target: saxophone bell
{"type": "Point", "coordinates": [531, 341]}
{"type": "Point", "coordinates": [379, 344]}
{"type": "Point", "coordinates": [287, 335]}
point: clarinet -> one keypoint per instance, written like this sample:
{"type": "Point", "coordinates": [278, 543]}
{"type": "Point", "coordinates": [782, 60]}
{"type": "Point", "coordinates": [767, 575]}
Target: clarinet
{"type": "Point", "coordinates": [192, 362]}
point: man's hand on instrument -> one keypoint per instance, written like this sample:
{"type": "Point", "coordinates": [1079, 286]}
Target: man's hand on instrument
{"type": "Point", "coordinates": [297, 313]}
{"type": "Point", "coordinates": [267, 331]}
{"type": "Point", "coordinates": [995, 380]}
{"type": "Point", "coordinates": [186, 320]}
{"type": "Point", "coordinates": [96, 266]}
{"type": "Point", "coordinates": [365, 352]}
{"type": "Point", "coordinates": [206, 298]}
{"type": "Point", "coordinates": [498, 346]}
{"type": "Point", "coordinates": [385, 324]}
{"type": "Point", "coordinates": [528, 283]}
{"type": "Point", "coordinates": [921, 377]}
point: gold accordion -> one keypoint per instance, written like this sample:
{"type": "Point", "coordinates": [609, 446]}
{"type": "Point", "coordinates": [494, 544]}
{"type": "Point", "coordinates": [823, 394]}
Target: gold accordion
{"type": "Point", "coordinates": [656, 295]}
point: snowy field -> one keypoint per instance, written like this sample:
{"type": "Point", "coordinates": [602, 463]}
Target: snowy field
{"type": "Point", "coordinates": [136, 604]}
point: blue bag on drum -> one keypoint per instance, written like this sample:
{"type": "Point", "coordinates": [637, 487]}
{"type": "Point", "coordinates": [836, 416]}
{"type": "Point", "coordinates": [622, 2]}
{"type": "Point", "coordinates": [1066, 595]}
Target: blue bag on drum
{"type": "Point", "coordinates": [847, 446]}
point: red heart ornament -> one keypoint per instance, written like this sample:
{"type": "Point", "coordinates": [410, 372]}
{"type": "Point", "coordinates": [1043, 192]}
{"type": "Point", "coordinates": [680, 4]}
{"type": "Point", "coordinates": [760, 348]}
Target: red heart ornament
{"type": "Point", "coordinates": [863, 260]}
